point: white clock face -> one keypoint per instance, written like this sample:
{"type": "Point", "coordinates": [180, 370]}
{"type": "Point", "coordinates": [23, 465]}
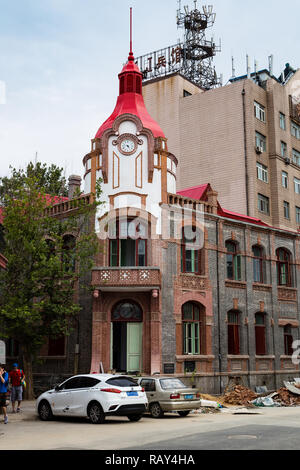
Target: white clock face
{"type": "Point", "coordinates": [127, 146]}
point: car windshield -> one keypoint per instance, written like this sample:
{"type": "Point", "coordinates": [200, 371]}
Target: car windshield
{"type": "Point", "coordinates": [167, 384]}
{"type": "Point", "coordinates": [122, 382]}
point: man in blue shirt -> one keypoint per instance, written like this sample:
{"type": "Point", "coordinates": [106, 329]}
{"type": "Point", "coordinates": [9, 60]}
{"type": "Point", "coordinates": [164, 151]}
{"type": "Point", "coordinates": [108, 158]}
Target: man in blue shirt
{"type": "Point", "coordinates": [3, 391]}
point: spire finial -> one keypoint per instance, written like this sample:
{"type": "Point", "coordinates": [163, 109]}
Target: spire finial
{"type": "Point", "coordinates": [130, 53]}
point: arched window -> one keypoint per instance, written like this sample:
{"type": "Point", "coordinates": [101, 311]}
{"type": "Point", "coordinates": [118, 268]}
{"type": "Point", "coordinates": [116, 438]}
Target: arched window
{"type": "Point", "coordinates": [288, 340]}
{"type": "Point", "coordinates": [284, 273]}
{"type": "Point", "coordinates": [128, 244]}
{"type": "Point", "coordinates": [192, 242]}
{"type": "Point", "coordinates": [233, 327]}
{"type": "Point", "coordinates": [259, 274]}
{"type": "Point", "coordinates": [260, 334]}
{"type": "Point", "coordinates": [192, 328]}
{"type": "Point", "coordinates": [233, 261]}
{"type": "Point", "coordinates": [127, 312]}
{"type": "Point", "coordinates": [69, 255]}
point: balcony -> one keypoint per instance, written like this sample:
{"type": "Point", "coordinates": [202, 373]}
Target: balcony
{"type": "Point", "coordinates": [134, 279]}
{"type": "Point", "coordinates": [287, 294]}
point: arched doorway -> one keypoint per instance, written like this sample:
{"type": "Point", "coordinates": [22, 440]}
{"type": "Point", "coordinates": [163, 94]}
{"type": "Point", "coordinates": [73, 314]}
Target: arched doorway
{"type": "Point", "coordinates": [126, 337]}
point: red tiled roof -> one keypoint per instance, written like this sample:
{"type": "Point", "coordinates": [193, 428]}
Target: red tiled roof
{"type": "Point", "coordinates": [55, 199]}
{"type": "Point", "coordinates": [130, 102]}
{"type": "Point", "coordinates": [51, 200]}
{"type": "Point", "coordinates": [241, 217]}
{"type": "Point", "coordinates": [197, 192]}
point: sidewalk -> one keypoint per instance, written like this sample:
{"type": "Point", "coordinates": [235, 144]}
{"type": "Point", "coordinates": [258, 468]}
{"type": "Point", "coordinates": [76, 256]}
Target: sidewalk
{"type": "Point", "coordinates": [27, 413]}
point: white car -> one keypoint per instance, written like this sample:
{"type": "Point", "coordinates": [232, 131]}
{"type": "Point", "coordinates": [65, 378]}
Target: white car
{"type": "Point", "coordinates": [94, 396]}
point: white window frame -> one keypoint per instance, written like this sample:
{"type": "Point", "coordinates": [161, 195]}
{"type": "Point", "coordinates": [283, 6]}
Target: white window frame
{"type": "Point", "coordinates": [282, 121]}
{"type": "Point", "coordinates": [286, 210]}
{"type": "Point", "coordinates": [295, 130]}
{"type": "Point", "coordinates": [259, 112]}
{"type": "Point", "coordinates": [262, 172]}
{"type": "Point", "coordinates": [263, 204]}
{"type": "Point", "coordinates": [298, 215]}
{"type": "Point", "coordinates": [297, 185]}
{"type": "Point", "coordinates": [260, 141]}
{"type": "Point", "coordinates": [283, 149]}
{"type": "Point", "coordinates": [296, 157]}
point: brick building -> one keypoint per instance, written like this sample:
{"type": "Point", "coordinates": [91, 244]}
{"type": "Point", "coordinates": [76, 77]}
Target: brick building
{"type": "Point", "coordinates": [182, 285]}
{"type": "Point", "coordinates": [249, 128]}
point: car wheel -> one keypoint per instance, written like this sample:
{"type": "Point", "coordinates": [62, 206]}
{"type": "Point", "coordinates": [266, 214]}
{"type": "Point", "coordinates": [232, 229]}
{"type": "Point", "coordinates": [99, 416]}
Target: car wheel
{"type": "Point", "coordinates": [155, 410]}
{"type": "Point", "coordinates": [134, 418]}
{"type": "Point", "coordinates": [45, 412]}
{"type": "Point", "coordinates": [95, 413]}
{"type": "Point", "coordinates": [183, 413]}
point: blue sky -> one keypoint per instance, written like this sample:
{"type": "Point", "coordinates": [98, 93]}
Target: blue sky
{"type": "Point", "coordinates": [60, 61]}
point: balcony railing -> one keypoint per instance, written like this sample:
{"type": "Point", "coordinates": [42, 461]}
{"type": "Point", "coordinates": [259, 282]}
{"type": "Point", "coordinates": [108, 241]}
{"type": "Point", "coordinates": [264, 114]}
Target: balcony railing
{"type": "Point", "coordinates": [69, 205]}
{"type": "Point", "coordinates": [145, 277]}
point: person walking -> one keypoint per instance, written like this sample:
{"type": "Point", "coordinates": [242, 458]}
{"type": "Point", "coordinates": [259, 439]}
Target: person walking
{"type": "Point", "coordinates": [16, 377]}
{"type": "Point", "coordinates": [3, 391]}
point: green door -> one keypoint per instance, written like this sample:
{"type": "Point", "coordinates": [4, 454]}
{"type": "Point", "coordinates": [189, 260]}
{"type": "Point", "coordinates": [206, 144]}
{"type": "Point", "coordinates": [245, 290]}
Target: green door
{"type": "Point", "coordinates": [134, 346]}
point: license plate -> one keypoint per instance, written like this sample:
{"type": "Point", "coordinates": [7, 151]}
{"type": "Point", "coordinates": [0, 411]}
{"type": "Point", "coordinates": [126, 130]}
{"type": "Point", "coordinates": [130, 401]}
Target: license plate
{"type": "Point", "coordinates": [188, 397]}
{"type": "Point", "coordinates": [132, 394]}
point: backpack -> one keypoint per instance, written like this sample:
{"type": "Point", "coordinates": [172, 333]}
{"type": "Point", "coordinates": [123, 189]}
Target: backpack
{"type": "Point", "coordinates": [22, 379]}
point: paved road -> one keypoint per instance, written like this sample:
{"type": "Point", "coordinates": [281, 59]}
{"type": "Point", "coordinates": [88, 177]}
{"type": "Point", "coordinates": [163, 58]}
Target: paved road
{"type": "Point", "coordinates": [274, 428]}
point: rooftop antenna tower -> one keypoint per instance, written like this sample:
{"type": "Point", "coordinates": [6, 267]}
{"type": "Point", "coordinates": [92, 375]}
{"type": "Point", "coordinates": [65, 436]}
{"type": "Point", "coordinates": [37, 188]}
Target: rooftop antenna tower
{"type": "Point", "coordinates": [198, 52]}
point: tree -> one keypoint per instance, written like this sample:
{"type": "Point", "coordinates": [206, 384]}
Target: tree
{"type": "Point", "coordinates": [44, 267]}
{"type": "Point", "coordinates": [49, 178]}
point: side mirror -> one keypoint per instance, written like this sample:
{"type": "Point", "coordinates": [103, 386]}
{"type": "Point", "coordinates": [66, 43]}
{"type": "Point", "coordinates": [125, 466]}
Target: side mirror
{"type": "Point", "coordinates": [57, 388]}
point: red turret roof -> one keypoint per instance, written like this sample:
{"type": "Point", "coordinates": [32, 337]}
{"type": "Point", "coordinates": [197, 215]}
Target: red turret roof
{"type": "Point", "coordinates": [131, 101]}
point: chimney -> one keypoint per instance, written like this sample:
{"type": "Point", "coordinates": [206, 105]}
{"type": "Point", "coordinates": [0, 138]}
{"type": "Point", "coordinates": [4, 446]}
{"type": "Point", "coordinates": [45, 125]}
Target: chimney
{"type": "Point", "coordinates": [74, 185]}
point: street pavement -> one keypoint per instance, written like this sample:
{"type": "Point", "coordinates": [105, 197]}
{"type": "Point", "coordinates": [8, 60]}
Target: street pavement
{"type": "Point", "coordinates": [262, 429]}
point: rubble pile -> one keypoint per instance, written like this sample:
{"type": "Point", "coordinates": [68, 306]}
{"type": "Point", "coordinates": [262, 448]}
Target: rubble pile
{"type": "Point", "coordinates": [239, 396]}
{"type": "Point", "coordinates": [286, 398]}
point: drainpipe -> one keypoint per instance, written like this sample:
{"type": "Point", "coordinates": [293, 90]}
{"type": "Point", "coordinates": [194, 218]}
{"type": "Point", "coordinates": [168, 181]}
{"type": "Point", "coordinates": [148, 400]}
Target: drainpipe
{"type": "Point", "coordinates": [219, 313]}
{"type": "Point", "coordinates": [245, 151]}
{"type": "Point", "coordinates": [273, 325]}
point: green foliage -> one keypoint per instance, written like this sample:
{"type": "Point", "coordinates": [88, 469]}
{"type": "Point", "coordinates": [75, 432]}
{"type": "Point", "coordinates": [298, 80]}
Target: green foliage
{"type": "Point", "coordinates": [49, 178]}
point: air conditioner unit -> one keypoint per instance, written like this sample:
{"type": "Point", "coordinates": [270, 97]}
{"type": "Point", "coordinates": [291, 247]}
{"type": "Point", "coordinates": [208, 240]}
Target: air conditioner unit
{"type": "Point", "coordinates": [287, 161]}
{"type": "Point", "coordinates": [259, 149]}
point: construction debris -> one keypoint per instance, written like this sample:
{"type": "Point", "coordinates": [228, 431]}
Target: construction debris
{"type": "Point", "coordinates": [240, 396]}
{"type": "Point", "coordinates": [286, 398]}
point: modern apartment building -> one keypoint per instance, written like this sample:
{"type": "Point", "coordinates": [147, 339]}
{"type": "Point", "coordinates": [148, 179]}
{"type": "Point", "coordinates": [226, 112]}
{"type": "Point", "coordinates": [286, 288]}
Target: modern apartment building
{"type": "Point", "coordinates": [242, 138]}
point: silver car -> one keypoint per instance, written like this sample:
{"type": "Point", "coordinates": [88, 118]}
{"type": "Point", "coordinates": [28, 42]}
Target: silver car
{"type": "Point", "coordinates": [169, 394]}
